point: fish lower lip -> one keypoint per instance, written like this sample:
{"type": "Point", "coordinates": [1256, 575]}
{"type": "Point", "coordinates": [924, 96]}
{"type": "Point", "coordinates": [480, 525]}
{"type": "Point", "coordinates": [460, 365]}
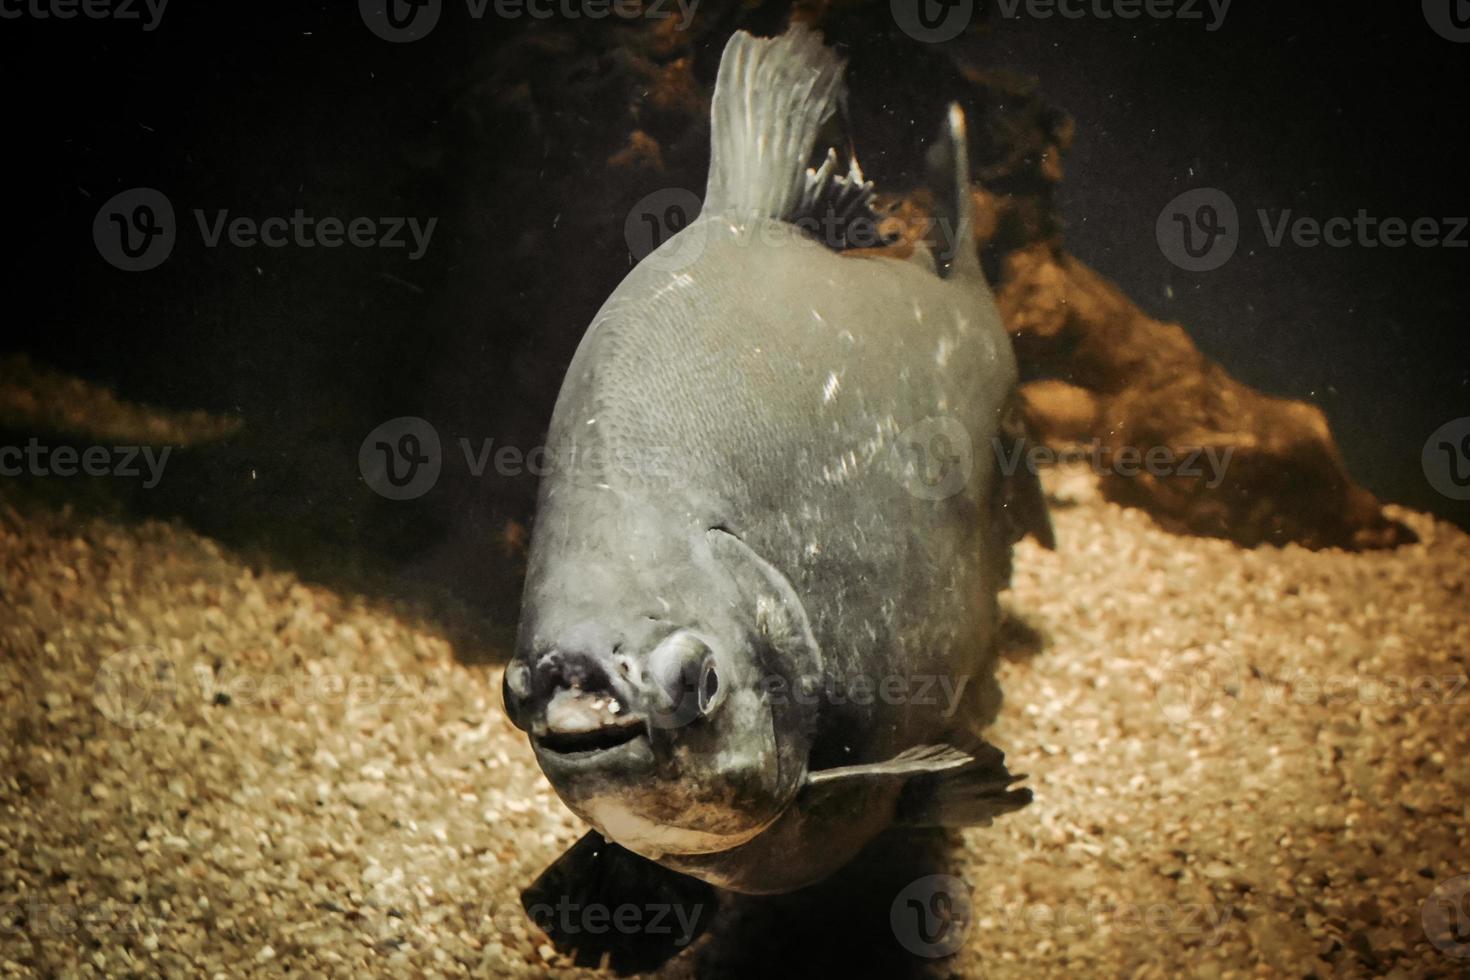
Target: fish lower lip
{"type": "Point", "coordinates": [596, 740]}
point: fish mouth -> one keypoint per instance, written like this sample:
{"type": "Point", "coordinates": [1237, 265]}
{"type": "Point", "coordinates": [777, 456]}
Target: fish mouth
{"type": "Point", "coordinates": [579, 726]}
{"type": "Point", "coordinates": [602, 739]}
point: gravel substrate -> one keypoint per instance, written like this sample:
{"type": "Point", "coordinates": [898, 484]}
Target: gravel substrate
{"type": "Point", "coordinates": [1246, 763]}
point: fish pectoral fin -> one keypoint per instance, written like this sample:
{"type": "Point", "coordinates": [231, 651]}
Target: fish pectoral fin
{"type": "Point", "coordinates": [920, 759]}
{"type": "Point", "coordinates": [944, 786]}
{"type": "Point", "coordinates": [577, 902]}
{"type": "Point", "coordinates": [967, 796]}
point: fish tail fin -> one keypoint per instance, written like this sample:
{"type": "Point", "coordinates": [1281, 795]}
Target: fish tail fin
{"type": "Point", "coordinates": [772, 97]}
{"type": "Point", "coordinates": [954, 206]}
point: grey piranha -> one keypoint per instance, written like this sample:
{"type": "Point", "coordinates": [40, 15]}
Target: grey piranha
{"type": "Point", "coordinates": [759, 619]}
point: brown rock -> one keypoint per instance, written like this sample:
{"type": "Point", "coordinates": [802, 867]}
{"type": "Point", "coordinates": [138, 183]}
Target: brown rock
{"type": "Point", "coordinates": [1278, 475]}
{"type": "Point", "coordinates": [1058, 412]}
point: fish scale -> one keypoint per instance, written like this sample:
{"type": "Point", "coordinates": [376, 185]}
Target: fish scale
{"type": "Point", "coordinates": [738, 403]}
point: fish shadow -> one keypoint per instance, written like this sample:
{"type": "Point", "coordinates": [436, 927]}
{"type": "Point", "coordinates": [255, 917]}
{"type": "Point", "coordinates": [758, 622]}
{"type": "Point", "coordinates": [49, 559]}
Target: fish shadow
{"type": "Point", "coordinates": [843, 925]}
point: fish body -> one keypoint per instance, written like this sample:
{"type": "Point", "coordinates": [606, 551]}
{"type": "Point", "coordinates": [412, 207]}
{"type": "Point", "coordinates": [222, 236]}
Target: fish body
{"type": "Point", "coordinates": [759, 616]}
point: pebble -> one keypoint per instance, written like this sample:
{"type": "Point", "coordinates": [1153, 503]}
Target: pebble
{"type": "Point", "coordinates": [1205, 728]}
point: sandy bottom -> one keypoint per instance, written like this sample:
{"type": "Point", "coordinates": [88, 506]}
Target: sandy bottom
{"type": "Point", "coordinates": [1246, 763]}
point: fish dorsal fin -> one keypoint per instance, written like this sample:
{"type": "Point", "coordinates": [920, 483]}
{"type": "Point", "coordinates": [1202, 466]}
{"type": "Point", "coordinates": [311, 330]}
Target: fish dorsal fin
{"type": "Point", "coordinates": [772, 96]}
{"type": "Point", "coordinates": [839, 210]}
{"type": "Point", "coordinates": [954, 208]}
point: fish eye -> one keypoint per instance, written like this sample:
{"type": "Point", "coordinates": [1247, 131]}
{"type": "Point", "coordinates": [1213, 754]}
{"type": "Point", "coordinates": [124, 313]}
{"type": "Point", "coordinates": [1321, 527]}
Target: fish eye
{"type": "Point", "coordinates": [709, 686]}
{"type": "Point", "coordinates": [677, 669]}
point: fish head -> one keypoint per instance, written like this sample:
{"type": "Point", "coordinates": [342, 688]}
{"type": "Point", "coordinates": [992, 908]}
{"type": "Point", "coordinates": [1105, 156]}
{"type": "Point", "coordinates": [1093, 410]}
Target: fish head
{"type": "Point", "coordinates": [642, 673]}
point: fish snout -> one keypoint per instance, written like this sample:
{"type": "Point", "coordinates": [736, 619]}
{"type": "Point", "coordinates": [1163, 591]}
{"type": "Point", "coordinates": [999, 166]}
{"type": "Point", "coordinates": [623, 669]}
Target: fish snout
{"type": "Point", "coordinates": [528, 689]}
{"type": "Point", "coordinates": [568, 670]}
{"type": "Point", "coordinates": [570, 701]}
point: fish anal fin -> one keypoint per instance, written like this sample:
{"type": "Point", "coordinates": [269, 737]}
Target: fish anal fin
{"type": "Point", "coordinates": [577, 899]}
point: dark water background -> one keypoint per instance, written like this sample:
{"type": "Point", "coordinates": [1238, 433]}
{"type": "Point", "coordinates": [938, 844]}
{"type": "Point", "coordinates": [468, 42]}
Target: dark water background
{"type": "Point", "coordinates": [263, 108]}
{"type": "Point", "coordinates": [1322, 109]}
